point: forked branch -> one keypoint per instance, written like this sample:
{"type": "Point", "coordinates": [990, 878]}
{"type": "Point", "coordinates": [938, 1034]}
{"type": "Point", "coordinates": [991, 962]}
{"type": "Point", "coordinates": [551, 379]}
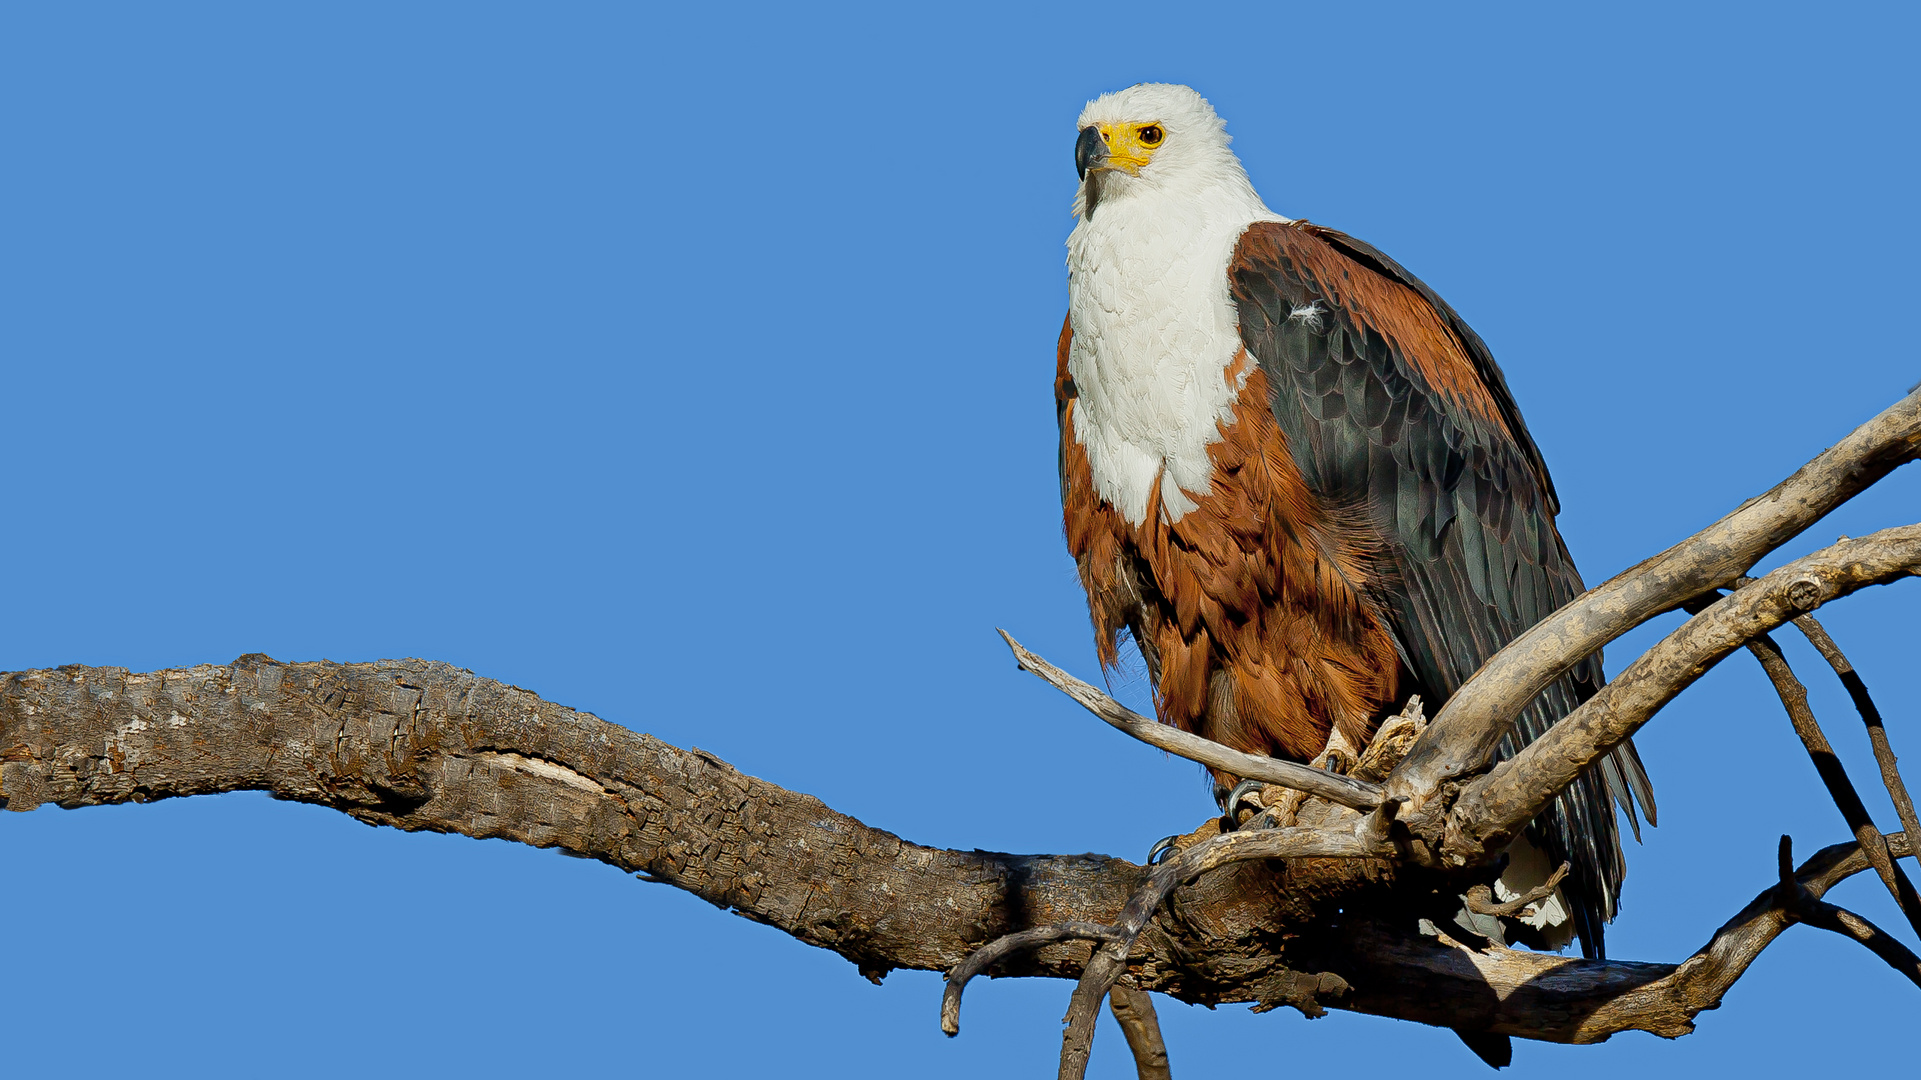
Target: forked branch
{"type": "Point", "coordinates": [1802, 905]}
{"type": "Point", "coordinates": [1492, 809]}
{"type": "Point", "coordinates": [420, 745]}
{"type": "Point", "coordinates": [1794, 698]}
{"type": "Point", "coordinates": [1464, 734]}
{"type": "Point", "coordinates": [1817, 636]}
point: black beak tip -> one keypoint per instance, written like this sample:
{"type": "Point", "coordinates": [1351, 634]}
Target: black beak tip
{"type": "Point", "coordinates": [1089, 149]}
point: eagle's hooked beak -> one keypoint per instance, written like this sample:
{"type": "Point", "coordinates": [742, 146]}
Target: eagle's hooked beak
{"type": "Point", "coordinates": [1090, 151]}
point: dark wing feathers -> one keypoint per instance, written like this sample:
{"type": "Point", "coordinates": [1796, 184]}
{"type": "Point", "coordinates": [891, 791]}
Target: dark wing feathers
{"type": "Point", "coordinates": [1391, 403]}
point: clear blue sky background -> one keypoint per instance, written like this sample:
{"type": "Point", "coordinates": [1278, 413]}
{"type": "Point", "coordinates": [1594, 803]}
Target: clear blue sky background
{"type": "Point", "coordinates": [692, 368]}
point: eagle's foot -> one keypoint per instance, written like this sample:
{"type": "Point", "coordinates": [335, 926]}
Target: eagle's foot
{"type": "Point", "coordinates": [1253, 804]}
{"type": "Point", "coordinates": [1249, 805]}
{"type": "Point", "coordinates": [1170, 846]}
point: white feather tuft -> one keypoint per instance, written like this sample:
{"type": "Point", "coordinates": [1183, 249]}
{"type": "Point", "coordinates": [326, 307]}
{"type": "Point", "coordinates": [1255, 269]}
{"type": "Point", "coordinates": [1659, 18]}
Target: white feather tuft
{"type": "Point", "coordinates": [1528, 869]}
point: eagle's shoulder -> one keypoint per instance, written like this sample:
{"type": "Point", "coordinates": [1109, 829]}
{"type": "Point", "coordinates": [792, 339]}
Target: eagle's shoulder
{"type": "Point", "coordinates": [1299, 264]}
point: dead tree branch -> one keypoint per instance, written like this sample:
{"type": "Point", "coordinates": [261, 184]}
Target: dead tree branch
{"type": "Point", "coordinates": [418, 745]}
{"type": "Point", "coordinates": [1104, 968]}
{"type": "Point", "coordinates": [1463, 736]}
{"type": "Point", "coordinates": [1802, 905]}
{"type": "Point", "coordinates": [1493, 808]}
{"type": "Point", "coordinates": [1324, 912]}
{"type": "Point", "coordinates": [1480, 898]}
{"type": "Point", "coordinates": [1794, 697]}
{"type": "Point", "coordinates": [1335, 788]}
{"type": "Point", "coordinates": [1817, 636]}
{"type": "Point", "coordinates": [1612, 996]}
{"type": "Point", "coordinates": [1134, 1012]}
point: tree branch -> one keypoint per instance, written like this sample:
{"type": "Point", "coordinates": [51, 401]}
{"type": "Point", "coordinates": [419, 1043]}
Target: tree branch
{"type": "Point", "coordinates": [1134, 1012]}
{"type": "Point", "coordinates": [1817, 636]}
{"type": "Point", "coordinates": [419, 745]}
{"type": "Point", "coordinates": [1493, 808]}
{"type": "Point", "coordinates": [1104, 968]}
{"type": "Point", "coordinates": [1535, 996]}
{"type": "Point", "coordinates": [1794, 698]}
{"type": "Point", "coordinates": [1342, 790]}
{"type": "Point", "coordinates": [1803, 906]}
{"type": "Point", "coordinates": [1463, 736]}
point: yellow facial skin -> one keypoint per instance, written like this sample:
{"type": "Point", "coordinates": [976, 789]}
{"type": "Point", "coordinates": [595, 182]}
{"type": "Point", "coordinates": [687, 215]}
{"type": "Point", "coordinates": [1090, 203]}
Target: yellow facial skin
{"type": "Point", "coordinates": [1131, 146]}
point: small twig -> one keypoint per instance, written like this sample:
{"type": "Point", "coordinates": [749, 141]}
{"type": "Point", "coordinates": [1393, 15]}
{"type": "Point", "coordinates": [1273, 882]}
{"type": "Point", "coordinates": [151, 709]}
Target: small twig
{"type": "Point", "coordinates": [1817, 636]}
{"type": "Point", "coordinates": [1803, 906]}
{"type": "Point", "coordinates": [1794, 697]}
{"type": "Point", "coordinates": [994, 951]}
{"type": "Point", "coordinates": [1134, 1011]}
{"type": "Point", "coordinates": [1480, 898]}
{"type": "Point", "coordinates": [1335, 788]}
{"type": "Point", "coordinates": [1104, 967]}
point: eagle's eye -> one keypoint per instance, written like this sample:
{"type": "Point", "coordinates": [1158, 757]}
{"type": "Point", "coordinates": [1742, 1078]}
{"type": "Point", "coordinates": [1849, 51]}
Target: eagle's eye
{"type": "Point", "coordinates": [1151, 135]}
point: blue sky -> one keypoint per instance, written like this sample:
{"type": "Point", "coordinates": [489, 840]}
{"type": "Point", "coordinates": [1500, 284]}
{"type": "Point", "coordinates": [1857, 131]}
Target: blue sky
{"type": "Point", "coordinates": [691, 367]}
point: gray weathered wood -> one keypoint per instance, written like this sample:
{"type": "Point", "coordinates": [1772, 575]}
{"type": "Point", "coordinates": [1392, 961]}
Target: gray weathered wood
{"type": "Point", "coordinates": [1343, 790]}
{"type": "Point", "coordinates": [1857, 689]}
{"type": "Point", "coordinates": [1463, 735]}
{"type": "Point", "coordinates": [1794, 698]}
{"type": "Point", "coordinates": [1493, 808]}
{"type": "Point", "coordinates": [1134, 1012]}
{"type": "Point", "coordinates": [425, 746]}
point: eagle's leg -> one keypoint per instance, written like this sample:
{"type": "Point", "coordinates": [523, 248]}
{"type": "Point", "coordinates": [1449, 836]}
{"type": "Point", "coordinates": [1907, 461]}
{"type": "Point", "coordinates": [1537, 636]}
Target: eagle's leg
{"type": "Point", "coordinates": [1231, 806]}
{"type": "Point", "coordinates": [1275, 806]}
{"type": "Point", "coordinates": [1253, 804]}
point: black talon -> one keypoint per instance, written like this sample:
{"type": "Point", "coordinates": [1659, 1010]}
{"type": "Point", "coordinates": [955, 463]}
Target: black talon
{"type": "Point", "coordinates": [1160, 849]}
{"type": "Point", "coordinates": [1230, 810]}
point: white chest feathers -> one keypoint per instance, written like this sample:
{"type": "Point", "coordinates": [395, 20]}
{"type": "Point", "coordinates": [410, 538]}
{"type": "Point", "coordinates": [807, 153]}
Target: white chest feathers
{"type": "Point", "coordinates": [1154, 332]}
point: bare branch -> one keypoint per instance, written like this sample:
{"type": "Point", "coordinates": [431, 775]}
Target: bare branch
{"type": "Point", "coordinates": [1817, 636]}
{"type": "Point", "coordinates": [1493, 808]}
{"type": "Point", "coordinates": [1545, 997]}
{"type": "Point", "coordinates": [1134, 1011]}
{"type": "Point", "coordinates": [1104, 968]}
{"type": "Point", "coordinates": [993, 952]}
{"type": "Point", "coordinates": [1804, 906]}
{"type": "Point", "coordinates": [426, 746]}
{"type": "Point", "coordinates": [1480, 898]}
{"type": "Point", "coordinates": [418, 745]}
{"type": "Point", "coordinates": [1794, 697]}
{"type": "Point", "coordinates": [1463, 736]}
{"type": "Point", "coordinates": [1342, 790]}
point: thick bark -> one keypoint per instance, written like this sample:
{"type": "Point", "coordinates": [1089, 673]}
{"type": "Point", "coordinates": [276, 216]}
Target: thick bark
{"type": "Point", "coordinates": [420, 745]}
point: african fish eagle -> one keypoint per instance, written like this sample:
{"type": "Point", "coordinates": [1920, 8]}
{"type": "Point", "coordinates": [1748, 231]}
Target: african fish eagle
{"type": "Point", "coordinates": [1297, 479]}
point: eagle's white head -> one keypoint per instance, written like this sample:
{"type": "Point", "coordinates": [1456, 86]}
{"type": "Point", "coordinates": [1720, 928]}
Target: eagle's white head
{"type": "Point", "coordinates": [1162, 203]}
{"type": "Point", "coordinates": [1157, 140]}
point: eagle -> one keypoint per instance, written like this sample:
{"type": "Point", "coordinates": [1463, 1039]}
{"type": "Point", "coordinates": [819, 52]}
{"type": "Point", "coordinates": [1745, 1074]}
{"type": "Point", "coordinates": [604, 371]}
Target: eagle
{"type": "Point", "coordinates": [1296, 478]}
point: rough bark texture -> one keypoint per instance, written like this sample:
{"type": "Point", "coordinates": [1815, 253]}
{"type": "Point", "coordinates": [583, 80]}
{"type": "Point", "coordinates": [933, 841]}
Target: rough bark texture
{"type": "Point", "coordinates": [420, 745]}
